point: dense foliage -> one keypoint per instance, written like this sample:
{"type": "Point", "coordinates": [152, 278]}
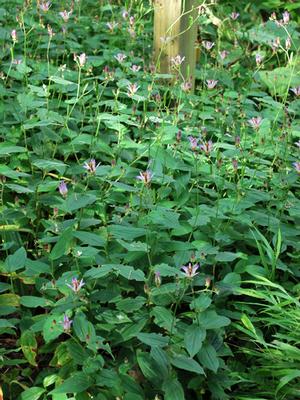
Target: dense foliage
{"type": "Point", "coordinates": [150, 235]}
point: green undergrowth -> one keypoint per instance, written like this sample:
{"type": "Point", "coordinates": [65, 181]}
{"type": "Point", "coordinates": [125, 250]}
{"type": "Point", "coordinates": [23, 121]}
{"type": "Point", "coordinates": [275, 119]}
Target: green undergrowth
{"type": "Point", "coordinates": [114, 177]}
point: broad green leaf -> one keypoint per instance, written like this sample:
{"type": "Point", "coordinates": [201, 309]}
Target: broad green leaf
{"type": "Point", "coordinates": [75, 384]}
{"type": "Point", "coordinates": [147, 366]}
{"type": "Point", "coordinates": [61, 81]}
{"type": "Point", "coordinates": [211, 320]}
{"type": "Point", "coordinates": [16, 261]}
{"type": "Point", "coordinates": [193, 339]}
{"type": "Point", "coordinates": [5, 323]}
{"type": "Point", "coordinates": [33, 393]}
{"type": "Point", "coordinates": [153, 339]}
{"type": "Point", "coordinates": [52, 327]}
{"type": "Point", "coordinates": [63, 244]}
{"type": "Point", "coordinates": [126, 232]}
{"type": "Point", "coordinates": [134, 246]}
{"type": "Point", "coordinates": [34, 301]}
{"type": "Point", "coordinates": [201, 302]}
{"type": "Point", "coordinates": [165, 218]}
{"type": "Point", "coordinates": [164, 318]}
{"type": "Point", "coordinates": [182, 362]}
{"type": "Point", "coordinates": [18, 188]}
{"type": "Point", "coordinates": [161, 359]}
{"type": "Point", "coordinates": [89, 238]}
{"type": "Point", "coordinates": [29, 346]}
{"type": "Point", "coordinates": [50, 165]}
{"type": "Point", "coordinates": [96, 273]}
{"type": "Point", "coordinates": [128, 272]}
{"type": "Point", "coordinates": [76, 201]}
{"type": "Point", "coordinates": [208, 357]}
{"type": "Point", "coordinates": [6, 149]}
{"type": "Point", "coordinates": [173, 389]}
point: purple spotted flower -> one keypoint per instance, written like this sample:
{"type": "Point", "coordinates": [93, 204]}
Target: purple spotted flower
{"type": "Point", "coordinates": [45, 6]}
{"type": "Point", "coordinates": [255, 122]}
{"type": "Point", "coordinates": [234, 15]}
{"type": "Point", "coordinates": [157, 279]}
{"type": "Point", "coordinates": [132, 88]}
{"type": "Point", "coordinates": [235, 164]}
{"type": "Point", "coordinates": [211, 83]}
{"type": "Point", "coordinates": [275, 44]}
{"type": "Point", "coordinates": [65, 15]}
{"type": "Point", "coordinates": [76, 285]}
{"type": "Point", "coordinates": [63, 188]}
{"type": "Point", "coordinates": [125, 14]}
{"type": "Point", "coordinates": [112, 25]}
{"type": "Point", "coordinates": [296, 90]}
{"type": "Point", "coordinates": [14, 36]}
{"type": "Point", "coordinates": [91, 166]}
{"type": "Point", "coordinates": [297, 166]}
{"type": "Point", "coordinates": [258, 59]}
{"type": "Point", "coordinates": [81, 59]}
{"type": "Point", "coordinates": [207, 147]}
{"type": "Point", "coordinates": [190, 270]}
{"type": "Point", "coordinates": [145, 176]}
{"type": "Point", "coordinates": [135, 68]}
{"type": "Point", "coordinates": [120, 57]}
{"type": "Point", "coordinates": [67, 323]}
{"type": "Point", "coordinates": [207, 44]}
{"type": "Point", "coordinates": [193, 142]}
{"type": "Point", "coordinates": [286, 18]}
{"type": "Point", "coordinates": [186, 86]}
{"type": "Point", "coordinates": [177, 61]}
{"type": "Point", "coordinates": [223, 54]}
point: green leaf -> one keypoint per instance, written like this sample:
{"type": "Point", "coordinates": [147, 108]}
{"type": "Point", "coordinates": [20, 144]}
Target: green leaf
{"type": "Point", "coordinates": [128, 272]}
{"type": "Point", "coordinates": [188, 364]}
{"type": "Point", "coordinates": [50, 165]}
{"type": "Point", "coordinates": [147, 366]}
{"type": "Point", "coordinates": [63, 245]}
{"type": "Point", "coordinates": [16, 261]}
{"type": "Point", "coordinates": [91, 239]}
{"type": "Point", "coordinates": [227, 256]}
{"type": "Point", "coordinates": [34, 301]}
{"type": "Point", "coordinates": [211, 320]}
{"type": "Point", "coordinates": [6, 149]}
{"type": "Point", "coordinates": [173, 389]}
{"type": "Point", "coordinates": [201, 302]}
{"type": "Point", "coordinates": [75, 384]}
{"type": "Point", "coordinates": [29, 346]}
{"type": "Point", "coordinates": [165, 218]}
{"type": "Point", "coordinates": [52, 327]}
{"type": "Point", "coordinates": [77, 352]}
{"type": "Point", "coordinates": [209, 358]}
{"type": "Point", "coordinates": [61, 81]}
{"type": "Point", "coordinates": [83, 328]}
{"type": "Point", "coordinates": [163, 318]}
{"type": "Point", "coordinates": [193, 339]}
{"type": "Point", "coordinates": [76, 201]}
{"type": "Point", "coordinates": [161, 359]}
{"type": "Point", "coordinates": [126, 232]}
{"type": "Point", "coordinates": [33, 393]}
{"type": "Point", "coordinates": [134, 246]}
{"type": "Point", "coordinates": [5, 323]}
{"type": "Point", "coordinates": [96, 273]}
{"type": "Point", "coordinates": [153, 339]}
{"type": "Point", "coordinates": [18, 188]}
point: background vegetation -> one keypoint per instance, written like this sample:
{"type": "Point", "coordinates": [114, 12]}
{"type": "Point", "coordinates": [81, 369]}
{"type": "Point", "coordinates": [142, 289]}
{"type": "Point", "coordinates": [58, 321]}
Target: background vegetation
{"type": "Point", "coordinates": [114, 177]}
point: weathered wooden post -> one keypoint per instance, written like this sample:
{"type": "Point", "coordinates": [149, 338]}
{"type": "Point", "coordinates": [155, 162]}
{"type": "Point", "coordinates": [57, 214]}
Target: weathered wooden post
{"type": "Point", "coordinates": [175, 33]}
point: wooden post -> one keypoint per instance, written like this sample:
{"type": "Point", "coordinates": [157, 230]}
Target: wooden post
{"type": "Point", "coordinates": [175, 22]}
{"type": "Point", "coordinates": [166, 32]}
